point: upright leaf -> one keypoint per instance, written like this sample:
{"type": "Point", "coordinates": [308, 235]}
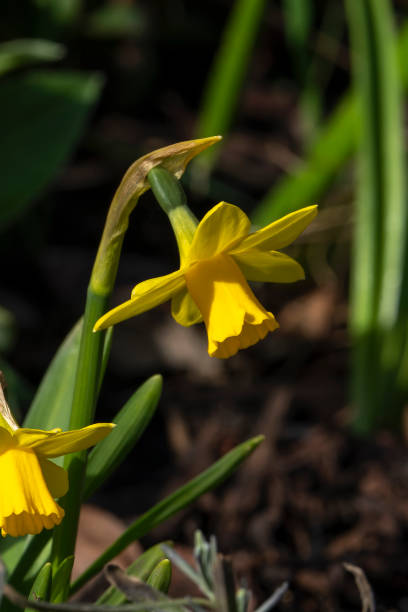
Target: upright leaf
{"type": "Point", "coordinates": [380, 237]}
{"type": "Point", "coordinates": [42, 115]}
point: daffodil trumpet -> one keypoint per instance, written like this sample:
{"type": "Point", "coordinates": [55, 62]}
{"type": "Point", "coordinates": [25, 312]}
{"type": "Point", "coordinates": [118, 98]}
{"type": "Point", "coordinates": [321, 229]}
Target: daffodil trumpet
{"type": "Point", "coordinates": [30, 480]}
{"type": "Point", "coordinates": [217, 258]}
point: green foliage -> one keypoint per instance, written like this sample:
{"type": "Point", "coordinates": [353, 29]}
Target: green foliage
{"type": "Point", "coordinates": [221, 93]}
{"type": "Point", "coordinates": [51, 406]}
{"type": "Point", "coordinates": [42, 115]}
{"type": "Point", "coordinates": [41, 589]}
{"type": "Point", "coordinates": [60, 580]}
{"type": "Point", "coordinates": [142, 568]}
{"type": "Point", "coordinates": [331, 149]}
{"type": "Point", "coordinates": [333, 146]}
{"type": "Point", "coordinates": [378, 320]}
{"type": "Point", "coordinates": [160, 578]}
{"type": "Point", "coordinates": [175, 502]}
{"type": "Point", "coordinates": [131, 422]}
{"type": "Point", "coordinates": [23, 52]}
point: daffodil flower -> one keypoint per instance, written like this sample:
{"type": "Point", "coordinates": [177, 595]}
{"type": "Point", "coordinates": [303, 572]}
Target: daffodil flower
{"type": "Point", "coordinates": [216, 260]}
{"type": "Point", "coordinates": [29, 479]}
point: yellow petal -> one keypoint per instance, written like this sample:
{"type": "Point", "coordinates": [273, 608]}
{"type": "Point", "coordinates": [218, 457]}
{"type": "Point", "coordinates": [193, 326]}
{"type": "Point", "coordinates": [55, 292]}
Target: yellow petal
{"type": "Point", "coordinates": [64, 442]}
{"type": "Point", "coordinates": [233, 316]}
{"type": "Point", "coordinates": [25, 437]}
{"type": "Point", "coordinates": [145, 295]}
{"type": "Point", "coordinates": [280, 233]}
{"type": "Point", "coordinates": [55, 477]}
{"type": "Point", "coordinates": [269, 267]}
{"type": "Point", "coordinates": [220, 229]}
{"type": "Point", "coordinates": [26, 505]}
{"type": "Point", "coordinates": [184, 309]}
{"type": "Point", "coordinates": [6, 440]}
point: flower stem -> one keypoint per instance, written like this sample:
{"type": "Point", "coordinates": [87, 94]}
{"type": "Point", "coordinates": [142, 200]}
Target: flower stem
{"type": "Point", "coordinates": [82, 414]}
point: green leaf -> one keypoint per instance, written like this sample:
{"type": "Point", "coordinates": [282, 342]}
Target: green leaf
{"type": "Point", "coordinates": [60, 580]}
{"type": "Point", "coordinates": [107, 345]}
{"type": "Point", "coordinates": [41, 589]}
{"type": "Point", "coordinates": [35, 554]}
{"type": "Point", "coordinates": [178, 500]}
{"type": "Point", "coordinates": [42, 116]}
{"type": "Point", "coordinates": [114, 20]}
{"type": "Point", "coordinates": [24, 51]}
{"type": "Point", "coordinates": [221, 93]}
{"type": "Point", "coordinates": [51, 406]}
{"type": "Point", "coordinates": [85, 394]}
{"type": "Point", "coordinates": [58, 14]}
{"type": "Point", "coordinates": [131, 422]}
{"type": "Point", "coordinates": [333, 146]}
{"type": "Point", "coordinates": [11, 551]}
{"type": "Point", "coordinates": [160, 578]}
{"type": "Point", "coordinates": [141, 568]}
{"type": "Point", "coordinates": [380, 237]}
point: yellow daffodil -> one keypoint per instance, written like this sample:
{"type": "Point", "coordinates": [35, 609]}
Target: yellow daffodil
{"type": "Point", "coordinates": [29, 480]}
{"type": "Point", "coordinates": [216, 259]}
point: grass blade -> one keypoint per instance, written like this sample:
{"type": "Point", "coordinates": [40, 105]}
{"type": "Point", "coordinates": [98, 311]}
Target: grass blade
{"type": "Point", "coordinates": [131, 422]}
{"type": "Point", "coordinates": [380, 234]}
{"type": "Point", "coordinates": [334, 145]}
{"type": "Point", "coordinates": [178, 500]}
{"type": "Point", "coordinates": [142, 568]}
{"type": "Point", "coordinates": [226, 76]}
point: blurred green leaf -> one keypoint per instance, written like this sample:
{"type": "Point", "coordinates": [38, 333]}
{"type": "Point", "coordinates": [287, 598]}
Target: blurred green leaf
{"type": "Point", "coordinates": [42, 115]}
{"type": "Point", "coordinates": [131, 422]}
{"type": "Point", "coordinates": [227, 73]}
{"type": "Point", "coordinates": [141, 568]}
{"type": "Point", "coordinates": [41, 588]}
{"type": "Point", "coordinates": [298, 19]}
{"type": "Point", "coordinates": [51, 406]}
{"type": "Point", "coordinates": [381, 232]}
{"type": "Point", "coordinates": [178, 500]}
{"type": "Point", "coordinates": [298, 22]}
{"type": "Point", "coordinates": [57, 14]}
{"type": "Point", "coordinates": [25, 51]}
{"type": "Point", "coordinates": [7, 329]}
{"type": "Point", "coordinates": [332, 148]}
{"type": "Point", "coordinates": [11, 550]}
{"type": "Point", "coordinates": [116, 19]}
{"type": "Point", "coordinates": [35, 554]}
{"type": "Point", "coordinates": [160, 578]}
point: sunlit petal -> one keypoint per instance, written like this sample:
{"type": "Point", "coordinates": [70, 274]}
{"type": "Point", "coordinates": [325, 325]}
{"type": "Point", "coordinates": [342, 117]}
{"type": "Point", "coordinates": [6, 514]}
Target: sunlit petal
{"type": "Point", "coordinates": [184, 309]}
{"type": "Point", "coordinates": [223, 227]}
{"type": "Point", "coordinates": [55, 477]}
{"type": "Point", "coordinates": [269, 266]}
{"type": "Point", "coordinates": [233, 316]}
{"type": "Point", "coordinates": [280, 233]}
{"type": "Point", "coordinates": [145, 295]}
{"type": "Point", "coordinates": [62, 443]}
{"type": "Point", "coordinates": [6, 440]}
{"type": "Point", "coordinates": [26, 437]}
{"type": "Point", "coordinates": [26, 505]}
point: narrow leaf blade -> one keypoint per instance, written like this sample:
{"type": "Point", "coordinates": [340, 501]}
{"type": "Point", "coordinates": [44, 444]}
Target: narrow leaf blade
{"type": "Point", "coordinates": [131, 422]}
{"type": "Point", "coordinates": [178, 500]}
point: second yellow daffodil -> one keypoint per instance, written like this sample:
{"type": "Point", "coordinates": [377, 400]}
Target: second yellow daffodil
{"type": "Point", "coordinates": [29, 479]}
{"type": "Point", "coordinates": [216, 260]}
